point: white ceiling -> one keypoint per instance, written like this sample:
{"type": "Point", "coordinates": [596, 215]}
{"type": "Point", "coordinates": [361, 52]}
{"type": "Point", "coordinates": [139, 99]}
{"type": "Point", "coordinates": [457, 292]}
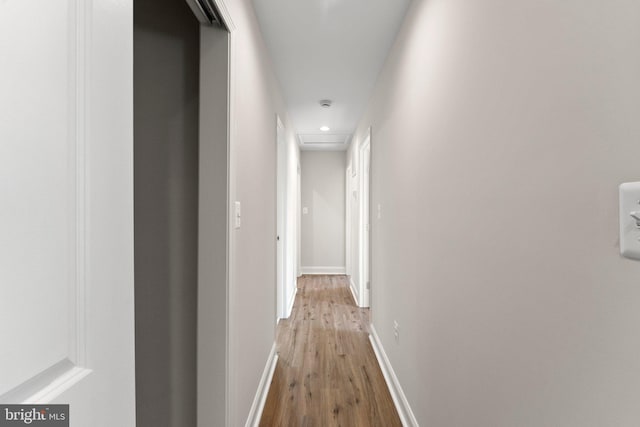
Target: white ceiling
{"type": "Point", "coordinates": [328, 49]}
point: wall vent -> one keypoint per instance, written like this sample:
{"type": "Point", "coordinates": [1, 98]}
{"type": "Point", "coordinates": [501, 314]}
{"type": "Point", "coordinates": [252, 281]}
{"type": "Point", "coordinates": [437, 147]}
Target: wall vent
{"type": "Point", "coordinates": [324, 141]}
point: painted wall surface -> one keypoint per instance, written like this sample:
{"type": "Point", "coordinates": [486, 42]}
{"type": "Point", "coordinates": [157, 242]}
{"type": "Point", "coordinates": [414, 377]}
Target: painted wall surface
{"type": "Point", "coordinates": [323, 227]}
{"type": "Point", "coordinates": [166, 85]}
{"type": "Point", "coordinates": [500, 133]}
{"type": "Point", "coordinates": [252, 300]}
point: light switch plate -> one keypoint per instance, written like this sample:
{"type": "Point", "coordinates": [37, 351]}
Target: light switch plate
{"type": "Point", "coordinates": [305, 210]}
{"type": "Point", "coordinates": [629, 229]}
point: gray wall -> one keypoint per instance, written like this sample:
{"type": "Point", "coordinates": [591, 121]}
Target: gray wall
{"type": "Point", "coordinates": [252, 299]}
{"type": "Point", "coordinates": [166, 61]}
{"type": "Point", "coordinates": [323, 227]}
{"type": "Point", "coordinates": [501, 131]}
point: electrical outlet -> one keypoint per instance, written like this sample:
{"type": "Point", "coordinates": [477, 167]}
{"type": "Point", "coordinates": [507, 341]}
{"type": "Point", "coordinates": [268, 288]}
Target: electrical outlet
{"type": "Point", "coordinates": [396, 330]}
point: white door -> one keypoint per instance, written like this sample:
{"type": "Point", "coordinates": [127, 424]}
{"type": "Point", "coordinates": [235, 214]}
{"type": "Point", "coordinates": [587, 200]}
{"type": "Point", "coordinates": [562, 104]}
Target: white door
{"type": "Point", "coordinates": [365, 231]}
{"type": "Point", "coordinates": [347, 222]}
{"type": "Point", "coordinates": [354, 223]}
{"type": "Point", "coordinates": [66, 207]}
{"type": "Point", "coordinates": [281, 238]}
{"type": "Point", "coordinates": [298, 222]}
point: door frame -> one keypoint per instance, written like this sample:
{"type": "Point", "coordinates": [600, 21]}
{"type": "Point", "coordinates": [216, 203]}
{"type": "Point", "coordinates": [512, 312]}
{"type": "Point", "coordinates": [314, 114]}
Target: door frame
{"type": "Point", "coordinates": [281, 221]}
{"type": "Point", "coordinates": [364, 241]}
{"type": "Point", "coordinates": [209, 337]}
{"type": "Point", "coordinates": [347, 205]}
{"type": "Point", "coordinates": [298, 204]}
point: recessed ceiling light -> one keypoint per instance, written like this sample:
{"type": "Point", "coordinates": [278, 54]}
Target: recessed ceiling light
{"type": "Point", "coordinates": [325, 103]}
{"type": "Point", "coordinates": [325, 128]}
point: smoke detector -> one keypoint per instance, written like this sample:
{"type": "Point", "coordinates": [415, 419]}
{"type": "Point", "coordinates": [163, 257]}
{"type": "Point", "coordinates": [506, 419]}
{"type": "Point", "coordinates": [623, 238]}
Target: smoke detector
{"type": "Point", "coordinates": [325, 103]}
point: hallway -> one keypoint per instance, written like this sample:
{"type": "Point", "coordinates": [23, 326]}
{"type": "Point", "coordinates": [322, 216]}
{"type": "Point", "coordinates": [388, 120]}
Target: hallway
{"type": "Point", "coordinates": [179, 175]}
{"type": "Point", "coordinates": [327, 373]}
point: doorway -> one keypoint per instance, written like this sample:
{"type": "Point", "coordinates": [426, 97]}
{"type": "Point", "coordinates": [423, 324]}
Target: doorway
{"type": "Point", "coordinates": [281, 219]}
{"type": "Point", "coordinates": [166, 153]}
{"type": "Point", "coordinates": [358, 220]}
{"type": "Point", "coordinates": [348, 222]}
{"type": "Point", "coordinates": [365, 223]}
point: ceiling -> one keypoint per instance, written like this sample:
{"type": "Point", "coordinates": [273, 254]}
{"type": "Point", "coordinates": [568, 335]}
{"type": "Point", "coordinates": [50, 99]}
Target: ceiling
{"type": "Point", "coordinates": [328, 49]}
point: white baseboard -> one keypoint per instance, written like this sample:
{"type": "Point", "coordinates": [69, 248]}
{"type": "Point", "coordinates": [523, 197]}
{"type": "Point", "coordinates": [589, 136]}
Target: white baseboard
{"type": "Point", "coordinates": [352, 288]}
{"type": "Point", "coordinates": [399, 399]}
{"type": "Point", "coordinates": [324, 270]}
{"type": "Point", "coordinates": [293, 299]}
{"type": "Point", "coordinates": [255, 413]}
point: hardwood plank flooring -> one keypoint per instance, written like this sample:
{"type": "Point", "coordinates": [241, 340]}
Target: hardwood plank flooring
{"type": "Point", "coordinates": [327, 373]}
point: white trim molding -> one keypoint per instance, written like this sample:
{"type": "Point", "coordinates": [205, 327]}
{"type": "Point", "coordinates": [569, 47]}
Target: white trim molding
{"type": "Point", "coordinates": [353, 288]}
{"type": "Point", "coordinates": [293, 300]}
{"type": "Point", "coordinates": [225, 16]}
{"type": "Point", "coordinates": [399, 399]}
{"type": "Point", "coordinates": [263, 389]}
{"type": "Point", "coordinates": [323, 270]}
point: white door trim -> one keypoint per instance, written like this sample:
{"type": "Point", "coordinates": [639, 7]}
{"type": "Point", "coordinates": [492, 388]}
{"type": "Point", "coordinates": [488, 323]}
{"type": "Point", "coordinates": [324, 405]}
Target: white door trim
{"type": "Point", "coordinates": [227, 21]}
{"type": "Point", "coordinates": [364, 183]}
{"type": "Point", "coordinates": [347, 222]}
{"type": "Point", "coordinates": [281, 221]}
{"type": "Point", "coordinates": [298, 221]}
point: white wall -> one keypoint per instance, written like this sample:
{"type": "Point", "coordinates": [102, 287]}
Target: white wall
{"type": "Point", "coordinates": [501, 130]}
{"type": "Point", "coordinates": [323, 227]}
{"type": "Point", "coordinates": [256, 99]}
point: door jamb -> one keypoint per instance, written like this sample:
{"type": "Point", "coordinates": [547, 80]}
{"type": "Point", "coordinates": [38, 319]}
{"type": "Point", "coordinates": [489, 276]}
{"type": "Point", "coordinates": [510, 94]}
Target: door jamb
{"type": "Point", "coordinates": [227, 22]}
{"type": "Point", "coordinates": [364, 291]}
{"type": "Point", "coordinates": [281, 221]}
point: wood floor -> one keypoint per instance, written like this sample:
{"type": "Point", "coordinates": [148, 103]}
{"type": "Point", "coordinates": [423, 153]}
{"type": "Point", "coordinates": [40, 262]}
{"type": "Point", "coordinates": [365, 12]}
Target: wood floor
{"type": "Point", "coordinates": [327, 373]}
